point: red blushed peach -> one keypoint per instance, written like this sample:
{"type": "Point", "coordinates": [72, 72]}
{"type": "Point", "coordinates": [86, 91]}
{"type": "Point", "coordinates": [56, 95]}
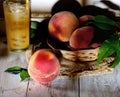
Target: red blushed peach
{"type": "Point", "coordinates": [95, 45]}
{"type": "Point", "coordinates": [81, 38]}
{"type": "Point", "coordinates": [62, 24]}
{"type": "Point", "coordinates": [43, 66]}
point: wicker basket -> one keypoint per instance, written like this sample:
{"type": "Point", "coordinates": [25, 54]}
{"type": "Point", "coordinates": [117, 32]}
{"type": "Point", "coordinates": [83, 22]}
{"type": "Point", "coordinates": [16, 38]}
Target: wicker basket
{"type": "Point", "coordinates": [78, 55]}
{"type": "Point", "coordinates": [81, 55]}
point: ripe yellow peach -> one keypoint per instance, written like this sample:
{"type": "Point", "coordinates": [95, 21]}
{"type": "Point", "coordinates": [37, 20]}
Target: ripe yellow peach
{"type": "Point", "coordinates": [62, 24]}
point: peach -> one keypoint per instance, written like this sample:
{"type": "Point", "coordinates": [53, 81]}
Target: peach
{"type": "Point", "coordinates": [81, 38]}
{"type": "Point", "coordinates": [95, 45]}
{"type": "Point", "coordinates": [62, 24]}
{"type": "Point", "coordinates": [43, 66]}
{"type": "Point", "coordinates": [83, 19]}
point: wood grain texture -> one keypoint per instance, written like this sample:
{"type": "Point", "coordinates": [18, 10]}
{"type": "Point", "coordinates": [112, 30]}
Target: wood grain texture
{"type": "Point", "coordinates": [60, 87]}
{"type": "Point", "coordinates": [10, 84]}
{"type": "Point", "coordinates": [101, 85]}
{"type": "Point", "coordinates": [105, 85]}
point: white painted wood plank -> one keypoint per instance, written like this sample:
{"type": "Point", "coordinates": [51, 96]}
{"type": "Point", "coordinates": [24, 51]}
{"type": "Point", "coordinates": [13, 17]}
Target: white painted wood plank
{"type": "Point", "coordinates": [10, 85]}
{"type": "Point", "coordinates": [105, 85]}
{"type": "Point", "coordinates": [60, 87]}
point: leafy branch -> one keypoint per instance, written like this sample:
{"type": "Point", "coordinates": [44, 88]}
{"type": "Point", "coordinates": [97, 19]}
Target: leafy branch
{"type": "Point", "coordinates": [18, 70]}
{"type": "Point", "coordinates": [111, 45]}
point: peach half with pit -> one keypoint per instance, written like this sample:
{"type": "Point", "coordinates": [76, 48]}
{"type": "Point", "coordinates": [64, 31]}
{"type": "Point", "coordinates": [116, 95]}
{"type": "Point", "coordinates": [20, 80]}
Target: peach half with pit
{"type": "Point", "coordinates": [62, 24]}
{"type": "Point", "coordinates": [43, 66]}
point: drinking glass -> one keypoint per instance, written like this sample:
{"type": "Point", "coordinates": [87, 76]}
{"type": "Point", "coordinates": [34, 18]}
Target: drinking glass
{"type": "Point", "coordinates": [17, 22]}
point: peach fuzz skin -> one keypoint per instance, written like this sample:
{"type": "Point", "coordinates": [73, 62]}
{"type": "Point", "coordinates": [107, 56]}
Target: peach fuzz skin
{"type": "Point", "coordinates": [62, 24]}
{"type": "Point", "coordinates": [43, 66]}
{"type": "Point", "coordinates": [81, 38]}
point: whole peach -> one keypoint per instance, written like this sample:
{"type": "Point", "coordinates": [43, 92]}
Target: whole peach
{"type": "Point", "coordinates": [43, 66]}
{"type": "Point", "coordinates": [95, 45]}
{"type": "Point", "coordinates": [62, 24]}
{"type": "Point", "coordinates": [83, 19]}
{"type": "Point", "coordinates": [81, 37]}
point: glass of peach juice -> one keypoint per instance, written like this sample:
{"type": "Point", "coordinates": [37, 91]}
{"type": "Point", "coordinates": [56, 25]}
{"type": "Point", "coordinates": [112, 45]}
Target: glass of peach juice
{"type": "Point", "coordinates": [17, 22]}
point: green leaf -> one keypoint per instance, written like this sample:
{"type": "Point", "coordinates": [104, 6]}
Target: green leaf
{"type": "Point", "coordinates": [24, 75]}
{"type": "Point", "coordinates": [14, 69]}
{"type": "Point", "coordinates": [34, 24]}
{"type": "Point", "coordinates": [107, 48]}
{"type": "Point", "coordinates": [18, 70]}
{"type": "Point", "coordinates": [117, 57]}
{"type": "Point", "coordinates": [110, 47]}
{"type": "Point", "coordinates": [104, 19]}
{"type": "Point", "coordinates": [103, 26]}
{"type": "Point", "coordinates": [116, 60]}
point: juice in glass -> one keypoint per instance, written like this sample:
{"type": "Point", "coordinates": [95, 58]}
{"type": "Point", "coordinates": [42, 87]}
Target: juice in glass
{"type": "Point", "coordinates": [17, 22]}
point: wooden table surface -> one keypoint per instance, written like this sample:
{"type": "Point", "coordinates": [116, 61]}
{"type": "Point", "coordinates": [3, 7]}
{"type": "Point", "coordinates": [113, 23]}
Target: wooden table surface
{"type": "Point", "coordinates": [103, 85]}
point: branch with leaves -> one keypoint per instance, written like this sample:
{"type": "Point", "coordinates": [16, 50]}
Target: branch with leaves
{"type": "Point", "coordinates": [18, 70]}
{"type": "Point", "coordinates": [111, 45]}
